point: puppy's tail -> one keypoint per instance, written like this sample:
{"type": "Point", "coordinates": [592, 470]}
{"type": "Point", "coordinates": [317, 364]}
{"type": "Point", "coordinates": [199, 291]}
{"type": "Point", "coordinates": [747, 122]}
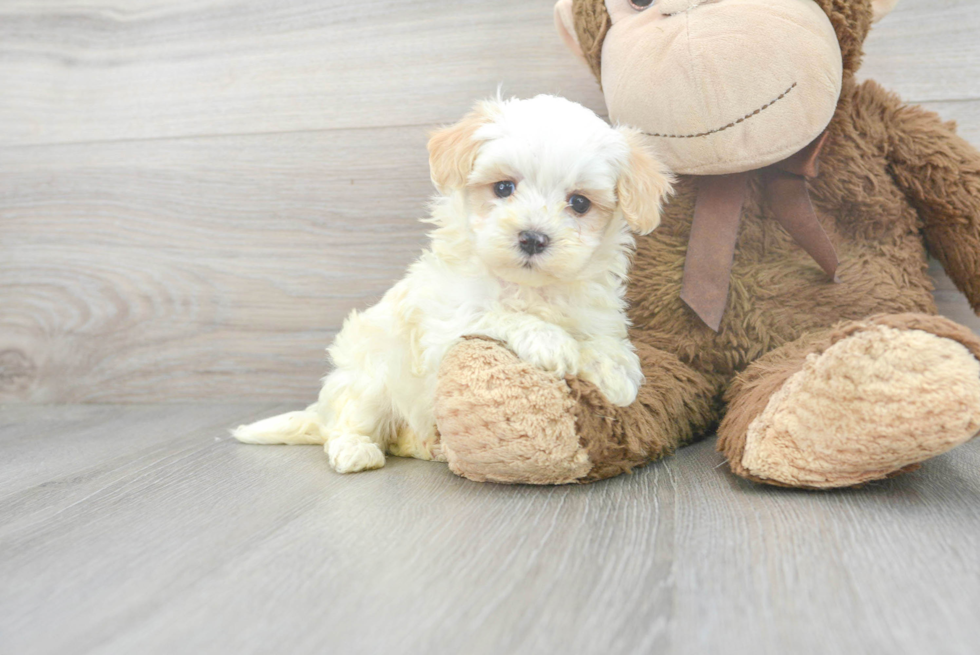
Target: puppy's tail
{"type": "Point", "coordinates": [289, 428]}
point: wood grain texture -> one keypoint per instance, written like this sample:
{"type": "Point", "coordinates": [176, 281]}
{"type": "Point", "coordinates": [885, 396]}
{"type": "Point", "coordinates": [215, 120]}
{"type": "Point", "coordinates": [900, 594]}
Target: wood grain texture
{"type": "Point", "coordinates": [926, 50]}
{"type": "Point", "coordinates": [93, 70]}
{"type": "Point", "coordinates": [164, 536]}
{"type": "Point", "coordinates": [198, 268]}
{"type": "Point", "coordinates": [194, 195]}
{"type": "Point", "coordinates": [87, 70]}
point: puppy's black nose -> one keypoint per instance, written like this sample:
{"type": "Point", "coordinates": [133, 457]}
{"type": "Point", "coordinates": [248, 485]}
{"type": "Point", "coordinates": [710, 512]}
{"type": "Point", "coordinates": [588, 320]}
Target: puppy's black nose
{"type": "Point", "coordinates": [533, 242]}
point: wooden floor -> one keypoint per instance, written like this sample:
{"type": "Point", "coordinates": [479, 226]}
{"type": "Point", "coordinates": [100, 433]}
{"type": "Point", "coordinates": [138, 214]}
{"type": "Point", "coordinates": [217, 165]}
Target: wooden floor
{"type": "Point", "coordinates": [145, 529]}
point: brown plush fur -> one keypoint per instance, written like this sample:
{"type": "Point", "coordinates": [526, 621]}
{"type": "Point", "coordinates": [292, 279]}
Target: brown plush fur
{"type": "Point", "coordinates": [894, 180]}
{"type": "Point", "coordinates": [673, 406]}
{"type": "Point", "coordinates": [591, 24]}
{"type": "Point", "coordinates": [778, 293]}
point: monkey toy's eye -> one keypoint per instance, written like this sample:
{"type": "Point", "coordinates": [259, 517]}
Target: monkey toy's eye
{"type": "Point", "coordinates": [579, 204]}
{"type": "Point", "coordinates": [640, 5]}
{"type": "Point", "coordinates": [503, 189]}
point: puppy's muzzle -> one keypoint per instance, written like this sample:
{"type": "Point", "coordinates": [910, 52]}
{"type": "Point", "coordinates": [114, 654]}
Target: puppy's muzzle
{"type": "Point", "coordinates": [533, 243]}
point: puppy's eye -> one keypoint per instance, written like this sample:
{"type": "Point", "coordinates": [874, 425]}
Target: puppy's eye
{"type": "Point", "coordinates": [503, 189]}
{"type": "Point", "coordinates": [579, 204]}
{"type": "Point", "coordinates": [640, 5]}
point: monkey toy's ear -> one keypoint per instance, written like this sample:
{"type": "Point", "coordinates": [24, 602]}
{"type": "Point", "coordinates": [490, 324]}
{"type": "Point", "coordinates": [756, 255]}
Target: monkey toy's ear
{"type": "Point", "coordinates": [565, 22]}
{"type": "Point", "coordinates": [881, 8]}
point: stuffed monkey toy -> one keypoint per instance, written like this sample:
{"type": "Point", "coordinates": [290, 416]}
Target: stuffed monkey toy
{"type": "Point", "coordinates": [784, 301]}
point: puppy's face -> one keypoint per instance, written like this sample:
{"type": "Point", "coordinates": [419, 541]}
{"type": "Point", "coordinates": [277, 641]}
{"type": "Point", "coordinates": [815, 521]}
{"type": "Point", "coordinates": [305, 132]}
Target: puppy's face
{"type": "Point", "coordinates": [549, 190]}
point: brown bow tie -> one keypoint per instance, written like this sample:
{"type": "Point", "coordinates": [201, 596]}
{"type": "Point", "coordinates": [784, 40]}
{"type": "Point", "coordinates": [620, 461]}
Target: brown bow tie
{"type": "Point", "coordinates": [717, 212]}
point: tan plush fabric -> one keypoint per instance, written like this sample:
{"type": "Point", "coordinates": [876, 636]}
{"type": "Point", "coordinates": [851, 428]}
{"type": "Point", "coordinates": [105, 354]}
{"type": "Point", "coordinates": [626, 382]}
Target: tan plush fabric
{"type": "Point", "coordinates": [870, 446]}
{"type": "Point", "coordinates": [655, 70]}
{"type": "Point", "coordinates": [875, 402]}
{"type": "Point", "coordinates": [851, 20]}
{"type": "Point", "coordinates": [502, 420]}
{"type": "Point", "coordinates": [895, 181]}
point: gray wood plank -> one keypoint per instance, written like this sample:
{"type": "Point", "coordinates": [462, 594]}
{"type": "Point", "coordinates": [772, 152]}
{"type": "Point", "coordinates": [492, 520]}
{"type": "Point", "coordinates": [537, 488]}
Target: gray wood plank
{"type": "Point", "coordinates": [850, 571]}
{"type": "Point", "coordinates": [927, 50]}
{"type": "Point", "coordinates": [91, 70]}
{"type": "Point", "coordinates": [87, 71]}
{"type": "Point", "coordinates": [216, 268]}
{"type": "Point", "coordinates": [52, 441]}
{"type": "Point", "coordinates": [212, 546]}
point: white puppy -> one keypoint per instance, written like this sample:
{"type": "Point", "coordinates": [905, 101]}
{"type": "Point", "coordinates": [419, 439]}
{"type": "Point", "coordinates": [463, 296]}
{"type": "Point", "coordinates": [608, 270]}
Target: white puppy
{"type": "Point", "coordinates": [531, 247]}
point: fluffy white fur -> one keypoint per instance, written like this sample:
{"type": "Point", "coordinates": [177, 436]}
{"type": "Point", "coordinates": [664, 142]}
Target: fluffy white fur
{"type": "Point", "coordinates": [562, 310]}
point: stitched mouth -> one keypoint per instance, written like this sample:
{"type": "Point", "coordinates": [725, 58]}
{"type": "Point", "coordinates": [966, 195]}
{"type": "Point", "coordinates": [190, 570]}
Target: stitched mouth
{"type": "Point", "coordinates": [733, 123]}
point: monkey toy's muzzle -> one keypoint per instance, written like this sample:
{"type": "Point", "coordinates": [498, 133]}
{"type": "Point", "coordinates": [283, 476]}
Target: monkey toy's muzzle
{"type": "Point", "coordinates": [715, 96]}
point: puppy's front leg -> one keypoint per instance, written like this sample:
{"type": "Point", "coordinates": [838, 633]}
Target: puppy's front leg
{"type": "Point", "coordinates": [612, 365]}
{"type": "Point", "coordinates": [537, 342]}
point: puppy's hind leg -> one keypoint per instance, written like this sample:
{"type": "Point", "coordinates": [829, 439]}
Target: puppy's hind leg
{"type": "Point", "coordinates": [361, 420]}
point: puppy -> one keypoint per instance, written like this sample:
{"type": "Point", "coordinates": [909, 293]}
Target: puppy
{"type": "Point", "coordinates": [531, 246]}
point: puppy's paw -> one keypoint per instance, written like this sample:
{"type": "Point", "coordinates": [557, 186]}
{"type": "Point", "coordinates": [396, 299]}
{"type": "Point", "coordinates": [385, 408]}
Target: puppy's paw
{"type": "Point", "coordinates": [618, 390]}
{"type": "Point", "coordinates": [350, 453]}
{"type": "Point", "coordinates": [616, 372]}
{"type": "Point", "coordinates": [549, 348]}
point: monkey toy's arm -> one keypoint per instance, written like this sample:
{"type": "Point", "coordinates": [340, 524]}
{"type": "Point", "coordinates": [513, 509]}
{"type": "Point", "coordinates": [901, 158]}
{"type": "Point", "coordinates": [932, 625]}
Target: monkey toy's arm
{"type": "Point", "coordinates": [940, 175]}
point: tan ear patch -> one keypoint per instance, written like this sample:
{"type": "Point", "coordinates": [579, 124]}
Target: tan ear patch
{"type": "Point", "coordinates": [453, 150]}
{"type": "Point", "coordinates": [643, 185]}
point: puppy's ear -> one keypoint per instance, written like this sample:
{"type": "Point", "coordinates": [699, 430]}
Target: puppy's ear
{"type": "Point", "coordinates": [643, 185]}
{"type": "Point", "coordinates": [453, 149]}
{"type": "Point", "coordinates": [565, 24]}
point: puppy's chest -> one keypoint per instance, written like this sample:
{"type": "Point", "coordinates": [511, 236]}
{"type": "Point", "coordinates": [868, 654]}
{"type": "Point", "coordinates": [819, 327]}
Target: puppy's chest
{"type": "Point", "coordinates": [548, 307]}
{"type": "Point", "coordinates": [471, 303]}
{"type": "Point", "coordinates": [576, 313]}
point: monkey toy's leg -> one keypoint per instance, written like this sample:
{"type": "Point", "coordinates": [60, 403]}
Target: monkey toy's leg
{"type": "Point", "coordinates": [863, 401]}
{"type": "Point", "coordinates": [502, 420]}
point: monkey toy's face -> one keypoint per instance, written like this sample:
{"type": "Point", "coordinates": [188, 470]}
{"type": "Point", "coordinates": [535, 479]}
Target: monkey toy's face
{"type": "Point", "coordinates": [723, 86]}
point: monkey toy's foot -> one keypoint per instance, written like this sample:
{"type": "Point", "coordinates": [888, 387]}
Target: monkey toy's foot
{"type": "Point", "coordinates": [863, 402]}
{"type": "Point", "coordinates": [503, 420]}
